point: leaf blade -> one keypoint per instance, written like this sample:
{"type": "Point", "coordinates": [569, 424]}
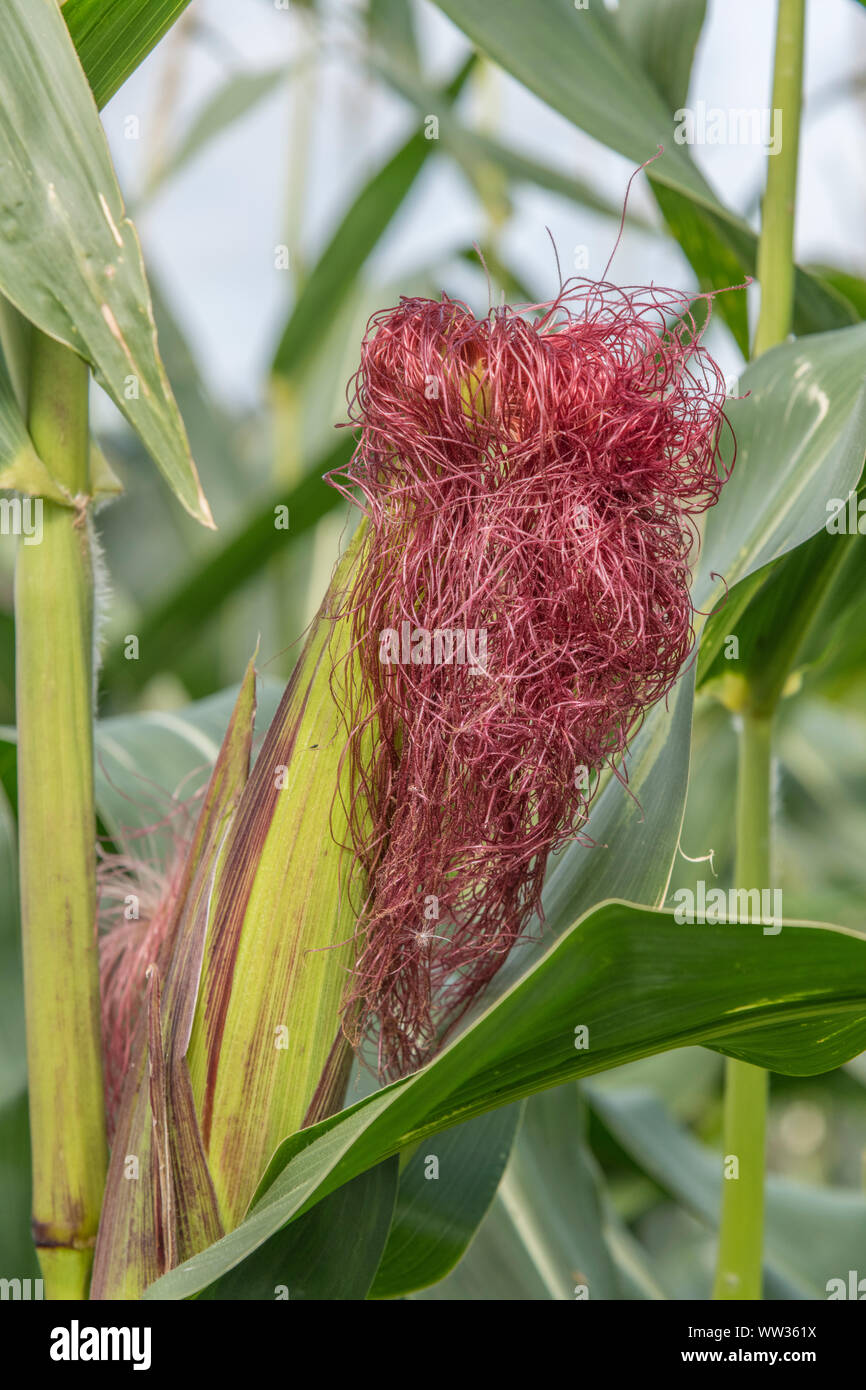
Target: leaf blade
{"type": "Point", "coordinates": [640, 983]}
{"type": "Point", "coordinates": [70, 259]}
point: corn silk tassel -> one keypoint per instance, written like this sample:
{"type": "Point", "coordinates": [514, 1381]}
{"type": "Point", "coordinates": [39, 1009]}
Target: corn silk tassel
{"type": "Point", "coordinates": [530, 482]}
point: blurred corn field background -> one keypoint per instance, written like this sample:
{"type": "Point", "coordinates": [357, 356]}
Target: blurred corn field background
{"type": "Point", "coordinates": [291, 169]}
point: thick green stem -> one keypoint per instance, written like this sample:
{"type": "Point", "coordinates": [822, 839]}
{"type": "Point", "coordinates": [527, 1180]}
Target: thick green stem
{"type": "Point", "coordinates": [738, 1271]}
{"type": "Point", "coordinates": [54, 634]}
{"type": "Point", "coordinates": [776, 247]}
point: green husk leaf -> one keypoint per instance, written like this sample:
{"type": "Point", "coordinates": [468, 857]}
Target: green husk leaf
{"type": "Point", "coordinates": [171, 1210]}
{"type": "Point", "coordinates": [280, 934]}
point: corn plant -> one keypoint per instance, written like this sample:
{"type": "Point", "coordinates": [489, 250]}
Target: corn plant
{"type": "Point", "coordinates": [434, 946]}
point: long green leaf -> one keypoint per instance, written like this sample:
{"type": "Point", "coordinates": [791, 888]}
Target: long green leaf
{"type": "Point", "coordinates": [578, 62]}
{"type": "Point", "coordinates": [545, 1236]}
{"type": "Point", "coordinates": [445, 1190]}
{"type": "Point", "coordinates": [776, 622]}
{"type": "Point", "coordinates": [800, 435]}
{"type": "Point", "coordinates": [638, 983]}
{"type": "Point", "coordinates": [391, 26]}
{"type": "Point", "coordinates": [113, 36]}
{"type": "Point", "coordinates": [330, 1254]}
{"type": "Point", "coordinates": [70, 260]}
{"type": "Point", "coordinates": [662, 36]}
{"type": "Point", "coordinates": [149, 765]}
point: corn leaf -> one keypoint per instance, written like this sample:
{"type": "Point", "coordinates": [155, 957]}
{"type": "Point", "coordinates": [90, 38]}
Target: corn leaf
{"type": "Point", "coordinates": [312, 1260]}
{"type": "Point", "coordinates": [640, 983]}
{"type": "Point", "coordinates": [800, 434]}
{"type": "Point", "coordinates": [113, 36]}
{"type": "Point", "coordinates": [549, 1229]}
{"type": "Point", "coordinates": [445, 1190]}
{"type": "Point", "coordinates": [70, 260]}
{"type": "Point", "coordinates": [579, 63]}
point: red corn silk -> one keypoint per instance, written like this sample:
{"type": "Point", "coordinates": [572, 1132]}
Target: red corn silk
{"type": "Point", "coordinates": [137, 904]}
{"type": "Point", "coordinates": [532, 476]}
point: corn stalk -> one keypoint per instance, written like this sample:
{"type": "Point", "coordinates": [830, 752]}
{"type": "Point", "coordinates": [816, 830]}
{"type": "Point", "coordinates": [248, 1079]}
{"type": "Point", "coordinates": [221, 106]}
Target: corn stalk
{"type": "Point", "coordinates": [739, 1266]}
{"type": "Point", "coordinates": [54, 634]}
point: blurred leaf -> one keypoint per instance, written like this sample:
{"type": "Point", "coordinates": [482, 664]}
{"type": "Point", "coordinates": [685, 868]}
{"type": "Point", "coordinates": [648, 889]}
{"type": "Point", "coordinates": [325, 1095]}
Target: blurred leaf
{"type": "Point", "coordinates": [113, 36]}
{"type": "Point", "coordinates": [472, 148]}
{"type": "Point", "coordinates": [340, 263]}
{"type": "Point", "coordinates": [800, 440]}
{"type": "Point", "coordinates": [359, 232]}
{"type": "Point", "coordinates": [811, 1234]}
{"type": "Point", "coordinates": [13, 1063]}
{"type": "Point", "coordinates": [821, 750]}
{"type": "Point", "coordinates": [475, 149]}
{"type": "Point", "coordinates": [835, 650]}
{"type": "Point", "coordinates": [173, 622]}
{"type": "Point", "coordinates": [148, 765]}
{"type": "Point", "coordinates": [545, 1234]}
{"type": "Point", "coordinates": [17, 1254]}
{"type": "Point", "coordinates": [774, 624]}
{"type": "Point", "coordinates": [503, 277]}
{"type": "Point", "coordinates": [578, 62]}
{"type": "Point", "coordinates": [331, 1253]}
{"type": "Point", "coordinates": [663, 35]}
{"type": "Point", "coordinates": [437, 1214]}
{"type": "Point", "coordinates": [69, 257]}
{"type": "Point", "coordinates": [851, 287]}
{"type": "Point", "coordinates": [639, 983]}
{"type": "Point", "coordinates": [391, 25]}
{"type": "Point", "coordinates": [235, 98]}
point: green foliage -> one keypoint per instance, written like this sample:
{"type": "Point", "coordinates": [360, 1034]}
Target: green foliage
{"type": "Point", "coordinates": [113, 36]}
{"type": "Point", "coordinates": [638, 983]}
{"type": "Point", "coordinates": [70, 260]}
